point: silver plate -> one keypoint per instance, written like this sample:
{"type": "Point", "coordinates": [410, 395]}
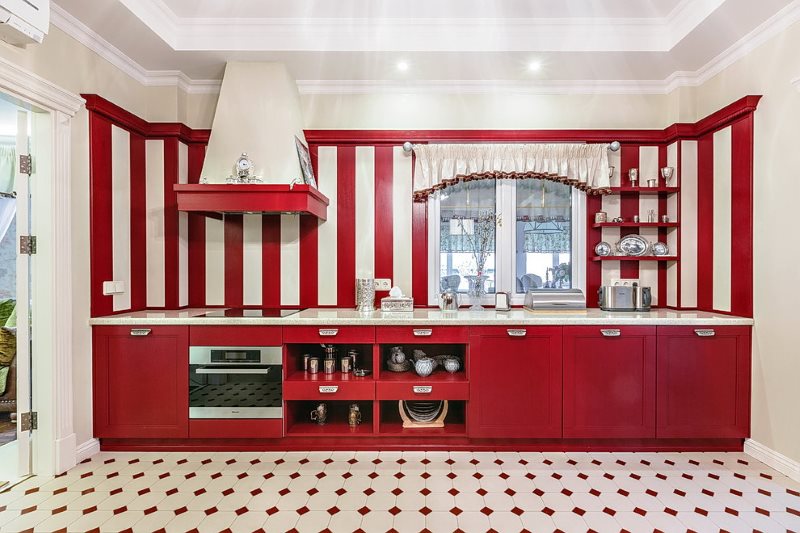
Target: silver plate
{"type": "Point", "coordinates": [660, 248]}
{"type": "Point", "coordinates": [602, 249]}
{"type": "Point", "coordinates": [633, 245]}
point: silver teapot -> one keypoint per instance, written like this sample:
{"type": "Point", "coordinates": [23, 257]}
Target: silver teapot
{"type": "Point", "coordinates": [448, 300]}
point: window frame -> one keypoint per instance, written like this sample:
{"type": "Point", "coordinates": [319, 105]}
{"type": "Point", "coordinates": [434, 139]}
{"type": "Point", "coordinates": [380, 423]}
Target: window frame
{"type": "Point", "coordinates": [505, 242]}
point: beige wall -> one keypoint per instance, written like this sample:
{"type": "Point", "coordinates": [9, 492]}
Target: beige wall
{"type": "Point", "coordinates": [776, 356]}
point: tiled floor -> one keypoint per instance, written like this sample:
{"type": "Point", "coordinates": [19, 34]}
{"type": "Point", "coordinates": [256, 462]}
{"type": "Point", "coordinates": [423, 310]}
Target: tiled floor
{"type": "Point", "coordinates": [409, 491]}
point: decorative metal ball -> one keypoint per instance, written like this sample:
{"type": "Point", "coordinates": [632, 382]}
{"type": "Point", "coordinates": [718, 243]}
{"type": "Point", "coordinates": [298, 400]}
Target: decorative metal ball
{"type": "Point", "coordinates": [614, 146]}
{"type": "Point", "coordinates": [407, 147]}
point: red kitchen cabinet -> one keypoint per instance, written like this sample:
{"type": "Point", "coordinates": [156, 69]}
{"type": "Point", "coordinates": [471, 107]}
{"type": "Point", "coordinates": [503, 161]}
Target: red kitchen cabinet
{"type": "Point", "coordinates": [609, 382]}
{"type": "Point", "coordinates": [141, 382]}
{"type": "Point", "coordinates": [703, 382]}
{"type": "Point", "coordinates": [515, 382]}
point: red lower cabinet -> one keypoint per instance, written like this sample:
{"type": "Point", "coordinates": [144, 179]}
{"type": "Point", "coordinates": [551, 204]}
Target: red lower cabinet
{"type": "Point", "coordinates": [515, 382]}
{"type": "Point", "coordinates": [704, 382]}
{"type": "Point", "coordinates": [141, 382]}
{"type": "Point", "coordinates": [609, 382]}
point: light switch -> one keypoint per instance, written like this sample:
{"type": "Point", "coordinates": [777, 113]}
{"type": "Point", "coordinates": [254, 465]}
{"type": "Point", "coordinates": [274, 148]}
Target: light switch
{"type": "Point", "coordinates": [629, 282]}
{"type": "Point", "coordinates": [108, 288]}
{"type": "Point", "coordinates": [383, 284]}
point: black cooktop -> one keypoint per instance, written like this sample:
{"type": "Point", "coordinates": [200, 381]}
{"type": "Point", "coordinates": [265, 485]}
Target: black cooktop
{"type": "Point", "coordinates": [237, 312]}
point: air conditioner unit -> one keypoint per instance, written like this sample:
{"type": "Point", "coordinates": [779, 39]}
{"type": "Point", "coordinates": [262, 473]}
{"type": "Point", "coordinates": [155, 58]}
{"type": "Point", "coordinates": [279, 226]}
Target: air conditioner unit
{"type": "Point", "coordinates": [24, 21]}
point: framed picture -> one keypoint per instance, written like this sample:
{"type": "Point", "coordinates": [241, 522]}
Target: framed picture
{"type": "Point", "coordinates": [305, 163]}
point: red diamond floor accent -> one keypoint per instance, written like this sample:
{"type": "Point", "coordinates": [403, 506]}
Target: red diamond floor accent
{"type": "Point", "coordinates": [548, 511]}
{"type": "Point", "coordinates": [451, 475]}
{"type": "Point", "coordinates": [453, 491]}
{"type": "Point", "coordinates": [181, 510]}
{"type": "Point", "coordinates": [399, 475]}
{"type": "Point", "coordinates": [312, 491]}
{"type": "Point", "coordinates": [215, 475]}
{"type": "Point", "coordinates": [594, 492]}
{"type": "Point", "coordinates": [303, 510]}
{"type": "Point", "coordinates": [339, 492]}
{"type": "Point", "coordinates": [734, 512]}
{"type": "Point", "coordinates": [150, 510]}
{"type": "Point", "coordinates": [640, 511]}
{"type": "Point", "coordinates": [556, 475]}
{"type": "Point", "coordinates": [651, 492]}
{"type": "Point", "coordinates": [272, 510]}
{"type": "Point", "coordinates": [517, 511]}
{"type": "Point", "coordinates": [211, 510]}
{"type": "Point", "coordinates": [530, 476]}
{"type": "Point", "coordinates": [255, 492]}
{"type": "Point", "coordinates": [486, 511]}
{"type": "Point", "coordinates": [333, 510]}
{"type": "Point", "coordinates": [294, 475]}
{"type": "Point", "coordinates": [55, 511]}
{"type": "Point", "coordinates": [364, 510]}
{"type": "Point", "coordinates": [578, 511]}
{"type": "Point", "coordinates": [170, 492]}
{"type": "Point", "coordinates": [347, 475]}
{"type": "Point", "coordinates": [538, 492]}
{"type": "Point", "coordinates": [373, 475]}
{"type": "Point", "coordinates": [369, 491]}
{"type": "Point", "coordinates": [609, 511]}
{"type": "Point", "coordinates": [32, 509]}
{"type": "Point", "coordinates": [671, 511]}
{"type": "Point", "coordinates": [793, 511]}
{"type": "Point", "coordinates": [425, 475]}
{"type": "Point", "coordinates": [284, 492]}
{"type": "Point", "coordinates": [425, 511]}
{"type": "Point", "coordinates": [456, 511]}
{"type": "Point", "coordinates": [88, 510]}
{"type": "Point", "coordinates": [701, 511]}
{"type": "Point", "coordinates": [566, 492]}
{"type": "Point", "coordinates": [394, 511]}
{"type": "Point", "coordinates": [241, 510]}
{"type": "Point", "coordinates": [119, 510]}
{"type": "Point", "coordinates": [199, 491]}
{"type": "Point", "coordinates": [397, 492]}
{"type": "Point", "coordinates": [425, 491]}
{"type": "Point", "coordinates": [482, 492]}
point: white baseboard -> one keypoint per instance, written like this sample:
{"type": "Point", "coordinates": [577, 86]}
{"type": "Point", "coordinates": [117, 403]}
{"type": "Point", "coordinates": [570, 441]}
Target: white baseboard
{"type": "Point", "coordinates": [65, 453]}
{"type": "Point", "coordinates": [87, 449]}
{"type": "Point", "coordinates": [778, 461]}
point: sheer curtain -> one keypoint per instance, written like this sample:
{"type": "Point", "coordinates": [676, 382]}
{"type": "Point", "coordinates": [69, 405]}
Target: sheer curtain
{"type": "Point", "coordinates": [583, 166]}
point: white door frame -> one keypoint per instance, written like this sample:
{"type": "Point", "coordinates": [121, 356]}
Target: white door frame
{"type": "Point", "coordinates": [51, 267]}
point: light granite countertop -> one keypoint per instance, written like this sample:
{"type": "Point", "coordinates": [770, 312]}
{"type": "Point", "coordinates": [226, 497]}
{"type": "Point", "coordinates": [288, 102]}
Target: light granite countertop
{"type": "Point", "coordinates": [431, 317]}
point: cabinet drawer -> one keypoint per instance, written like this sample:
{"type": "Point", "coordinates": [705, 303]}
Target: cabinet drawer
{"type": "Point", "coordinates": [609, 332]}
{"type": "Point", "coordinates": [339, 390]}
{"type": "Point", "coordinates": [236, 429]}
{"type": "Point", "coordinates": [329, 335]}
{"type": "Point", "coordinates": [422, 334]}
{"type": "Point", "coordinates": [423, 390]}
{"type": "Point", "coordinates": [235, 336]}
{"type": "Point", "coordinates": [703, 331]}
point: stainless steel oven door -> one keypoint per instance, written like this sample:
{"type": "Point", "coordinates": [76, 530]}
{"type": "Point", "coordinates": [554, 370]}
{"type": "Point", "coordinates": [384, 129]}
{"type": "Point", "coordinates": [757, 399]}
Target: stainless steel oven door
{"type": "Point", "coordinates": [235, 382]}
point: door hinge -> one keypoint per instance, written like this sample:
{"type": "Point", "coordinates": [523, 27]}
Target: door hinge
{"type": "Point", "coordinates": [25, 164]}
{"type": "Point", "coordinates": [27, 244]}
{"type": "Point", "coordinates": [29, 420]}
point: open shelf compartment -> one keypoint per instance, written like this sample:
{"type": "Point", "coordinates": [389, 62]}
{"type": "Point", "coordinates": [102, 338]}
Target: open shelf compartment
{"type": "Point", "coordinates": [299, 424]}
{"type": "Point", "coordinates": [391, 424]}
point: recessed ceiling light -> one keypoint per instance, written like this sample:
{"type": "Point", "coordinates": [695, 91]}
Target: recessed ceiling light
{"type": "Point", "coordinates": [535, 66]}
{"type": "Point", "coordinates": [402, 66]}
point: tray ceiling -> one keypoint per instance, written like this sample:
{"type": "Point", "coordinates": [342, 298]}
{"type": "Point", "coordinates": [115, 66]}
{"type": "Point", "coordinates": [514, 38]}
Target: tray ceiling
{"type": "Point", "coordinates": [344, 45]}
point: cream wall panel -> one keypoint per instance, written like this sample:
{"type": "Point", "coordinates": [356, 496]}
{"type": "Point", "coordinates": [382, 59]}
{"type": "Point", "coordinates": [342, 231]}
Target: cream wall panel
{"type": "Point", "coordinates": [688, 264]}
{"type": "Point", "coordinates": [215, 261]}
{"type": "Point", "coordinates": [365, 212]}
{"type": "Point", "coordinates": [252, 259]}
{"type": "Point", "coordinates": [290, 260]}
{"type": "Point", "coordinates": [327, 236]}
{"type": "Point", "coordinates": [673, 269]}
{"type": "Point", "coordinates": [722, 220]}
{"type": "Point", "coordinates": [121, 214]}
{"type": "Point", "coordinates": [156, 254]}
{"type": "Point", "coordinates": [183, 231]}
{"type": "Point", "coordinates": [402, 191]}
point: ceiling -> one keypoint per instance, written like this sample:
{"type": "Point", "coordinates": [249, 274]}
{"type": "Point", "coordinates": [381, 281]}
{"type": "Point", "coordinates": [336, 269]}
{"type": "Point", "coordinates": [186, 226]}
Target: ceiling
{"type": "Point", "coordinates": [466, 45]}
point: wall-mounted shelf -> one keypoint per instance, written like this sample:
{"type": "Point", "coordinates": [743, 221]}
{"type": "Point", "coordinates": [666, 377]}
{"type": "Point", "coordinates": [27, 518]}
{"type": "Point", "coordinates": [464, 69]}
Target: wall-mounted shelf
{"type": "Point", "coordinates": [636, 224]}
{"type": "Point", "coordinates": [645, 190]}
{"type": "Point", "coordinates": [215, 200]}
{"type": "Point", "coordinates": [635, 258]}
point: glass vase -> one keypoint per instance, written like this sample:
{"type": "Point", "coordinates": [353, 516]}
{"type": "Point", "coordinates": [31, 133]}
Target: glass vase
{"type": "Point", "coordinates": [476, 291]}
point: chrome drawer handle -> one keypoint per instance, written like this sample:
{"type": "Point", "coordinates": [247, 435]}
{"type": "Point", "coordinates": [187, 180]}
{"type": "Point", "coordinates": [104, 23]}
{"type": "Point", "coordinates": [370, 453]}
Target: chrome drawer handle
{"type": "Point", "coordinates": [517, 332]}
{"type": "Point", "coordinates": [141, 332]}
{"type": "Point", "coordinates": [423, 389]}
{"type": "Point", "coordinates": [328, 332]}
{"type": "Point", "coordinates": [423, 332]}
{"type": "Point", "coordinates": [705, 332]}
{"type": "Point", "coordinates": [611, 332]}
{"type": "Point", "coordinates": [328, 389]}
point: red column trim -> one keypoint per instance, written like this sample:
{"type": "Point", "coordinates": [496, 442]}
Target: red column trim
{"type": "Point", "coordinates": [271, 261]}
{"type": "Point", "coordinates": [234, 260]}
{"type": "Point", "coordinates": [100, 213]}
{"type": "Point", "coordinates": [705, 222]}
{"type": "Point", "coordinates": [138, 286]}
{"type": "Point", "coordinates": [171, 234]}
{"type": "Point", "coordinates": [384, 231]}
{"type": "Point", "coordinates": [346, 229]}
{"type": "Point", "coordinates": [197, 234]}
{"type": "Point", "coordinates": [742, 217]}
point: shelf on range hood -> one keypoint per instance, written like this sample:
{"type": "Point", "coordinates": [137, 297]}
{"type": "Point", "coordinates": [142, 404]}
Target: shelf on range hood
{"type": "Point", "coordinates": [215, 199]}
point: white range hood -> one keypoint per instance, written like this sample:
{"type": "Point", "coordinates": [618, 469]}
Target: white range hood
{"type": "Point", "coordinates": [258, 112]}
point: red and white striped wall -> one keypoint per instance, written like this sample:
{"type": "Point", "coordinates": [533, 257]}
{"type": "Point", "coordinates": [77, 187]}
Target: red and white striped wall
{"type": "Point", "coordinates": [168, 259]}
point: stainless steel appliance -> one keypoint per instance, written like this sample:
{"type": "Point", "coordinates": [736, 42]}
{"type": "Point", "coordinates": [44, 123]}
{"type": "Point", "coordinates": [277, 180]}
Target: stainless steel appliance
{"type": "Point", "coordinates": [554, 299]}
{"type": "Point", "coordinates": [624, 298]}
{"type": "Point", "coordinates": [235, 382]}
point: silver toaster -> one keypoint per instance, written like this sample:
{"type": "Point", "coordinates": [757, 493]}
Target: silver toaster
{"type": "Point", "coordinates": [624, 298]}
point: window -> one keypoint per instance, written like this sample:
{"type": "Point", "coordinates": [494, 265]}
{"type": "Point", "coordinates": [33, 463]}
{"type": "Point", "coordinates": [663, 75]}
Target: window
{"type": "Point", "coordinates": [536, 243]}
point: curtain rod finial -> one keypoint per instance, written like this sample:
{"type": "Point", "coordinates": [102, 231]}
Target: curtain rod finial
{"type": "Point", "coordinates": [614, 146]}
{"type": "Point", "coordinates": [407, 147]}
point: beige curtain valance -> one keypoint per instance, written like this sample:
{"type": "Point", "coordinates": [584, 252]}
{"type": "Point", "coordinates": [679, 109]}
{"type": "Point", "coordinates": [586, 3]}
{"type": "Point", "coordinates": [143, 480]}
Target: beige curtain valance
{"type": "Point", "coordinates": [583, 166]}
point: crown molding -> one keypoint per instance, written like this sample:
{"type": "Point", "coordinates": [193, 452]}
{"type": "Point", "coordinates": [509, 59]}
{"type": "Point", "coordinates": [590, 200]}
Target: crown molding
{"type": "Point", "coordinates": [150, 78]}
{"type": "Point", "coordinates": [174, 78]}
{"type": "Point", "coordinates": [656, 34]}
{"type": "Point", "coordinates": [36, 90]}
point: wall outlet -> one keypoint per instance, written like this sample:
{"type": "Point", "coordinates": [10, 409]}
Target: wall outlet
{"type": "Point", "coordinates": [383, 284]}
{"type": "Point", "coordinates": [625, 282]}
{"type": "Point", "coordinates": [113, 287]}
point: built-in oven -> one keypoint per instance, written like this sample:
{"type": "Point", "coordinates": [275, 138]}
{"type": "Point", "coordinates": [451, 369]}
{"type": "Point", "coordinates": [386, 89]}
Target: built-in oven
{"type": "Point", "coordinates": [235, 382]}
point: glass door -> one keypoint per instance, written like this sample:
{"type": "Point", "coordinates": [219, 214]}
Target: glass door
{"type": "Point", "coordinates": [15, 274]}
